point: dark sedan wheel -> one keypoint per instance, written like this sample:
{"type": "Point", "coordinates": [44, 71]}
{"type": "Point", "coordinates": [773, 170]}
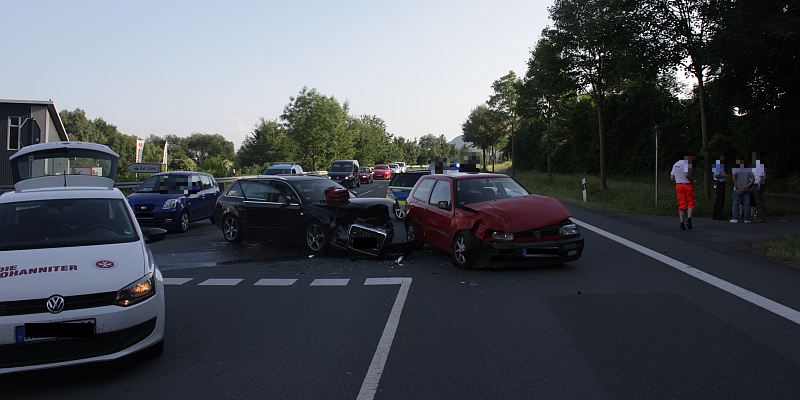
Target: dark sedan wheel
{"type": "Point", "coordinates": [232, 229]}
{"type": "Point", "coordinates": [399, 213]}
{"type": "Point", "coordinates": [462, 250]}
{"type": "Point", "coordinates": [183, 222]}
{"type": "Point", "coordinates": [316, 237]}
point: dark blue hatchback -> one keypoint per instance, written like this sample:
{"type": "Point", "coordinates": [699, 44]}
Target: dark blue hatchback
{"type": "Point", "coordinates": [174, 199]}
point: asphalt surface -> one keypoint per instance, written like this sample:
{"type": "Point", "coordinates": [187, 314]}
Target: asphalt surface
{"type": "Point", "coordinates": [614, 324]}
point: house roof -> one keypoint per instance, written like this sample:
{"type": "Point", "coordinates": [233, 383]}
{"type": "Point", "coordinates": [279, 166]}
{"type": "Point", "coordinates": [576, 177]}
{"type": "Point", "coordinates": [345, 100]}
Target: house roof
{"type": "Point", "coordinates": [51, 108]}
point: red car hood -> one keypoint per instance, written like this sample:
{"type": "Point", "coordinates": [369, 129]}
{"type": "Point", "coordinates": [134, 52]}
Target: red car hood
{"type": "Point", "coordinates": [518, 214]}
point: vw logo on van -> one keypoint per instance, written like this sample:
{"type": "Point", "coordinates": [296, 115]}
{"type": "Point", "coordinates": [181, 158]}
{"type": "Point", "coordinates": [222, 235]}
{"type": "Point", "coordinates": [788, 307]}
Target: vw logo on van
{"type": "Point", "coordinates": [55, 304]}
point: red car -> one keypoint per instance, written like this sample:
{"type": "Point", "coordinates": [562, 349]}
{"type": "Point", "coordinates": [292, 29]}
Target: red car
{"type": "Point", "coordinates": [382, 171]}
{"type": "Point", "coordinates": [366, 175]}
{"type": "Point", "coordinates": [485, 219]}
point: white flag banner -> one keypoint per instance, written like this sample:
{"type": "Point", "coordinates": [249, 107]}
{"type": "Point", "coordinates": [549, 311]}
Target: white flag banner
{"type": "Point", "coordinates": [139, 150]}
{"type": "Point", "coordinates": [164, 161]}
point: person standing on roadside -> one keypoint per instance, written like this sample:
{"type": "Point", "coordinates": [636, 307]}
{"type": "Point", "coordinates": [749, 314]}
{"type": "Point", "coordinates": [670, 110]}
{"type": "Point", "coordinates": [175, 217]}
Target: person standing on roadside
{"type": "Point", "coordinates": [719, 187]}
{"type": "Point", "coordinates": [742, 180]}
{"type": "Point", "coordinates": [759, 176]}
{"type": "Point", "coordinates": [681, 174]}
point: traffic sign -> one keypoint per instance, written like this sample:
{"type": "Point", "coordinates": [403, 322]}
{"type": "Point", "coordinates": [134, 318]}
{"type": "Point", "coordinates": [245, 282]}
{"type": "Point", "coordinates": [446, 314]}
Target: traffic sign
{"type": "Point", "coordinates": [29, 132]}
{"type": "Point", "coordinates": [492, 157]}
{"type": "Point", "coordinates": [144, 168]}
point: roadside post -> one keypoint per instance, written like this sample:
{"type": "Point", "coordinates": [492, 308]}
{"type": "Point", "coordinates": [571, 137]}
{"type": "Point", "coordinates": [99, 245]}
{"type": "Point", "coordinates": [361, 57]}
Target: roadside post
{"type": "Point", "coordinates": [583, 183]}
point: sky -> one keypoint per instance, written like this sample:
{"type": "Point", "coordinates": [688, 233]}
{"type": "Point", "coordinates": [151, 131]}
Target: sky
{"type": "Point", "coordinates": [180, 67]}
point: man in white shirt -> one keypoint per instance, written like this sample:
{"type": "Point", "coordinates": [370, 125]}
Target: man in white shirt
{"type": "Point", "coordinates": [681, 174]}
{"type": "Point", "coordinates": [759, 176]}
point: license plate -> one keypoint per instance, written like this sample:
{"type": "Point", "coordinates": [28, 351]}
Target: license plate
{"type": "Point", "coordinates": [54, 330]}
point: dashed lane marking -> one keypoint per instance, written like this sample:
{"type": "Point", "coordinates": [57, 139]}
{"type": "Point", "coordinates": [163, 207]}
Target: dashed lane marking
{"type": "Point", "coordinates": [275, 282]}
{"type": "Point", "coordinates": [763, 302]}
{"type": "Point", "coordinates": [220, 282]}
{"type": "Point", "coordinates": [176, 281]}
{"type": "Point", "coordinates": [330, 282]}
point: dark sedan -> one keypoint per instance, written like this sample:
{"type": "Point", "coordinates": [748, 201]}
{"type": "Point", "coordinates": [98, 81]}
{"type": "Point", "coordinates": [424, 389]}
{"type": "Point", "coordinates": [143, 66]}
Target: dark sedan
{"type": "Point", "coordinates": [297, 208]}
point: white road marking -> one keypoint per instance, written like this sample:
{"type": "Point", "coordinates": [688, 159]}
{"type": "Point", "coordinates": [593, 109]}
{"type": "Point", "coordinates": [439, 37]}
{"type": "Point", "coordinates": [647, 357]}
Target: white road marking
{"type": "Point", "coordinates": [370, 385]}
{"type": "Point", "coordinates": [383, 281]}
{"type": "Point", "coordinates": [275, 282]}
{"type": "Point", "coordinates": [176, 281]}
{"type": "Point", "coordinates": [368, 191]}
{"type": "Point", "coordinates": [330, 282]}
{"type": "Point", "coordinates": [220, 282]}
{"type": "Point", "coordinates": [763, 302]}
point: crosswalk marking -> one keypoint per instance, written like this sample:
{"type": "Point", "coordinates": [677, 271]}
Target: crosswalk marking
{"type": "Point", "coordinates": [220, 282]}
{"type": "Point", "coordinates": [284, 282]}
{"type": "Point", "coordinates": [275, 282]}
{"type": "Point", "coordinates": [176, 281]}
{"type": "Point", "coordinates": [383, 281]}
{"type": "Point", "coordinates": [330, 282]}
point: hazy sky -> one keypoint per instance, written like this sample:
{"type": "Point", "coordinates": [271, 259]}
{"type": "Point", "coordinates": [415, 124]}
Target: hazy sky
{"type": "Point", "coordinates": [168, 67]}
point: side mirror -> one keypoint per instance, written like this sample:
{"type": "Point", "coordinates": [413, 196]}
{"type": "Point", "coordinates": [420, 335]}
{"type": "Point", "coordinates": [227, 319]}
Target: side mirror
{"type": "Point", "coordinates": [153, 235]}
{"type": "Point", "coordinates": [135, 188]}
{"type": "Point", "coordinates": [444, 205]}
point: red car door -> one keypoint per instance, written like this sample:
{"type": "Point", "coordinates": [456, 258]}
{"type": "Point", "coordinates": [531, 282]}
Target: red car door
{"type": "Point", "coordinates": [440, 214]}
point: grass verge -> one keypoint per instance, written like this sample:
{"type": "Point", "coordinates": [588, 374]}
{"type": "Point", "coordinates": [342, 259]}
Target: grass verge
{"type": "Point", "coordinates": [629, 195]}
{"type": "Point", "coordinates": [782, 248]}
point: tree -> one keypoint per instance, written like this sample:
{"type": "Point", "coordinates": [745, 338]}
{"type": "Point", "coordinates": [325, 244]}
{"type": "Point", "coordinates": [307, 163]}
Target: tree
{"type": "Point", "coordinates": [545, 89]}
{"type": "Point", "coordinates": [504, 102]}
{"type": "Point", "coordinates": [201, 146]}
{"type": "Point", "coordinates": [371, 141]}
{"type": "Point", "coordinates": [484, 128]}
{"type": "Point", "coordinates": [685, 28]}
{"type": "Point", "coordinates": [598, 38]}
{"type": "Point", "coordinates": [267, 143]}
{"type": "Point", "coordinates": [79, 128]}
{"type": "Point", "coordinates": [316, 123]}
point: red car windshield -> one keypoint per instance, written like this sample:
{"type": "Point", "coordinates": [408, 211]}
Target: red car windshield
{"type": "Point", "coordinates": [377, 167]}
{"type": "Point", "coordinates": [476, 190]}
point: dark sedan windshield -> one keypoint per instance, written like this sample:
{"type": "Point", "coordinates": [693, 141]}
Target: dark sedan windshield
{"type": "Point", "coordinates": [313, 191]}
{"type": "Point", "coordinates": [63, 223]}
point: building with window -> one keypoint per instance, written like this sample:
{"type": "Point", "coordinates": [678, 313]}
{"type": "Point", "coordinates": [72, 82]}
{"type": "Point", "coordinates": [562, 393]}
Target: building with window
{"type": "Point", "coordinates": [13, 132]}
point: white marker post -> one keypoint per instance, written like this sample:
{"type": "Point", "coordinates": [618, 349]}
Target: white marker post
{"type": "Point", "coordinates": [583, 182]}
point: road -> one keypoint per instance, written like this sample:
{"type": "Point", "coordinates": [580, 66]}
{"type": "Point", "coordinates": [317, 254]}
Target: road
{"type": "Point", "coordinates": [645, 313]}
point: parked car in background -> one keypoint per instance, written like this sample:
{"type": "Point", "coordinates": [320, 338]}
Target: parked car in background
{"type": "Point", "coordinates": [395, 168]}
{"type": "Point", "coordinates": [174, 199]}
{"type": "Point", "coordinates": [284, 168]}
{"type": "Point", "coordinates": [78, 283]}
{"type": "Point", "coordinates": [345, 172]}
{"type": "Point", "coordinates": [402, 166]}
{"type": "Point", "coordinates": [382, 171]}
{"type": "Point", "coordinates": [483, 219]}
{"type": "Point", "coordinates": [366, 174]}
{"type": "Point", "coordinates": [399, 188]}
{"type": "Point", "coordinates": [296, 208]}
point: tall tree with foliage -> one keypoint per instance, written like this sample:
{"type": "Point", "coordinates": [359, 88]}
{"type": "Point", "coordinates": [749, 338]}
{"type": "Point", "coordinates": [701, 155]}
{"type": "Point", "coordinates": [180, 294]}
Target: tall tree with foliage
{"type": "Point", "coordinates": [599, 38]}
{"type": "Point", "coordinates": [504, 102]}
{"type": "Point", "coordinates": [317, 124]}
{"type": "Point", "coordinates": [685, 29]}
{"type": "Point", "coordinates": [202, 145]}
{"type": "Point", "coordinates": [370, 139]}
{"type": "Point", "coordinates": [545, 88]}
{"type": "Point", "coordinates": [267, 143]}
